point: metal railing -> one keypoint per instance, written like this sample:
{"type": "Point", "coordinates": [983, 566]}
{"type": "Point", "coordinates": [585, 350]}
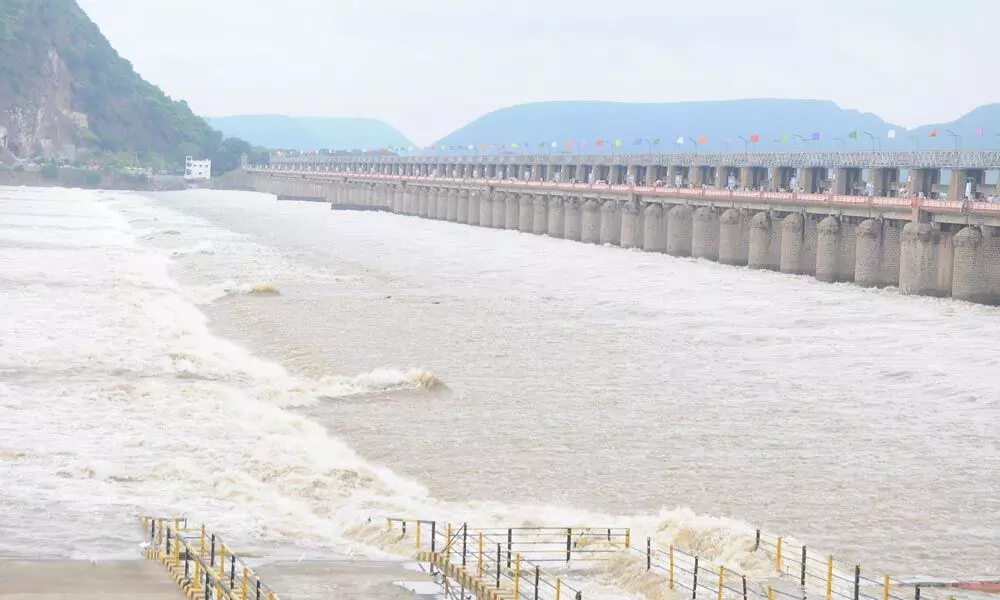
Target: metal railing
{"type": "Point", "coordinates": [795, 198]}
{"type": "Point", "coordinates": [202, 562]}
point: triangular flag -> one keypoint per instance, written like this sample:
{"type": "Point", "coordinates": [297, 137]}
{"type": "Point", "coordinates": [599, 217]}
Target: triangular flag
{"type": "Point", "coordinates": [514, 145]}
{"type": "Point", "coordinates": [555, 144]}
{"type": "Point", "coordinates": [618, 143]}
{"type": "Point", "coordinates": [569, 143]}
{"type": "Point", "coordinates": [680, 140]}
{"type": "Point", "coordinates": [784, 138]}
{"type": "Point", "coordinates": [754, 138]}
{"type": "Point", "coordinates": [656, 142]}
{"type": "Point", "coordinates": [815, 135]}
{"type": "Point", "coordinates": [853, 135]}
{"type": "Point", "coordinates": [583, 143]}
{"type": "Point", "coordinates": [703, 139]}
{"type": "Point", "coordinates": [891, 135]}
{"type": "Point", "coordinates": [637, 142]}
{"type": "Point", "coordinates": [979, 132]}
{"type": "Point", "coordinates": [600, 143]}
{"type": "Point", "coordinates": [933, 133]}
{"type": "Point", "coordinates": [541, 144]}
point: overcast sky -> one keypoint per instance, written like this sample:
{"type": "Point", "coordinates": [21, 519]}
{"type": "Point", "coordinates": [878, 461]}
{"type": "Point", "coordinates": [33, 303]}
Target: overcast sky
{"type": "Point", "coordinates": [430, 66]}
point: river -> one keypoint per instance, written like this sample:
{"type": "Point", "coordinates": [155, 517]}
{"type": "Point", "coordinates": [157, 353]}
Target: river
{"type": "Point", "coordinates": [409, 366]}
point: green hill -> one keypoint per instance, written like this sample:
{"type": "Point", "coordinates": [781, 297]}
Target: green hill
{"type": "Point", "coordinates": [63, 87]}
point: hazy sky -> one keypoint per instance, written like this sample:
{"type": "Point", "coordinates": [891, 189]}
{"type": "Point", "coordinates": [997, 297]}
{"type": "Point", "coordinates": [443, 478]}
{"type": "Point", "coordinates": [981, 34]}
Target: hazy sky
{"type": "Point", "coordinates": [430, 66]}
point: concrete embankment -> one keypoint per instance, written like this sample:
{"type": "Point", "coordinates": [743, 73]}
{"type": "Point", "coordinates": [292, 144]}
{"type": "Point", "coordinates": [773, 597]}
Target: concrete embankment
{"type": "Point", "coordinates": [85, 580]}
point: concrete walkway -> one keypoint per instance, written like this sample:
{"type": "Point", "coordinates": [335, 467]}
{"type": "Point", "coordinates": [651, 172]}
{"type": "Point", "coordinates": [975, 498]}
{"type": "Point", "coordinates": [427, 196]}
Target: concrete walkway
{"type": "Point", "coordinates": [348, 579]}
{"type": "Point", "coordinates": [81, 580]}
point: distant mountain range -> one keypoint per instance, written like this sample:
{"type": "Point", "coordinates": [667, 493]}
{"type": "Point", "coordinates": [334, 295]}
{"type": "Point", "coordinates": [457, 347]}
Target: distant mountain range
{"type": "Point", "coordinates": [710, 126]}
{"type": "Point", "coordinates": [311, 133]}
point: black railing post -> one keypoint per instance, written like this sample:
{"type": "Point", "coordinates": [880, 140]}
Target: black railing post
{"type": "Point", "coordinates": [211, 557]}
{"type": "Point", "coordinates": [649, 554]}
{"type": "Point", "coordinates": [433, 533]}
{"type": "Point", "coordinates": [857, 582]}
{"type": "Point", "coordinates": [258, 589]}
{"type": "Point", "coordinates": [208, 586]}
{"type": "Point", "coordinates": [152, 530]}
{"type": "Point", "coordinates": [168, 542]}
{"type": "Point", "coordinates": [744, 587]}
{"type": "Point", "coordinates": [756, 544]}
{"type": "Point", "coordinates": [916, 592]}
{"type": "Point", "coordinates": [537, 577]}
{"type": "Point", "coordinates": [187, 560]}
{"type": "Point", "coordinates": [694, 584]}
{"type": "Point", "coordinates": [465, 535]}
{"type": "Point", "coordinates": [802, 580]}
{"type": "Point", "coordinates": [510, 543]}
{"type": "Point", "coordinates": [609, 534]}
{"type": "Point", "coordinates": [579, 596]}
{"type": "Point", "coordinates": [569, 543]}
{"type": "Point", "coordinates": [232, 571]}
{"type": "Point", "coordinates": [499, 557]}
{"type": "Point", "coordinates": [404, 528]}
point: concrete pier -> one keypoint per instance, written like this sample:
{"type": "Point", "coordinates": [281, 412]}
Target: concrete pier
{"type": "Point", "coordinates": [630, 231]}
{"type": "Point", "coordinates": [432, 203]}
{"type": "Point", "coordinates": [475, 204]}
{"type": "Point", "coordinates": [540, 215]}
{"type": "Point", "coordinates": [452, 213]}
{"type": "Point", "coordinates": [486, 209]}
{"type": "Point", "coordinates": [926, 260]}
{"type": "Point", "coordinates": [764, 251]}
{"type": "Point", "coordinates": [734, 237]}
{"type": "Point", "coordinates": [705, 234]}
{"type": "Point", "coordinates": [653, 232]}
{"type": "Point", "coordinates": [499, 203]}
{"type": "Point", "coordinates": [512, 212]}
{"type": "Point", "coordinates": [679, 230]}
{"type": "Point", "coordinates": [794, 257]}
{"type": "Point", "coordinates": [557, 217]}
{"type": "Point", "coordinates": [877, 251]}
{"type": "Point", "coordinates": [463, 207]}
{"type": "Point", "coordinates": [424, 202]}
{"type": "Point", "coordinates": [976, 274]}
{"type": "Point", "coordinates": [611, 226]}
{"type": "Point", "coordinates": [836, 249]}
{"type": "Point", "coordinates": [526, 213]}
{"type": "Point", "coordinates": [590, 222]}
{"type": "Point", "coordinates": [571, 216]}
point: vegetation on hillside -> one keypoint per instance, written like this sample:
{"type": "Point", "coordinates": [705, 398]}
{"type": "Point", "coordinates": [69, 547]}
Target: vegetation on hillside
{"type": "Point", "coordinates": [125, 112]}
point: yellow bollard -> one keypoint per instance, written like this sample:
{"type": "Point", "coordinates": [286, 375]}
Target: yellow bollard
{"type": "Point", "coordinates": [479, 570]}
{"type": "Point", "coordinates": [517, 574]}
{"type": "Point", "coordinates": [201, 550]}
{"type": "Point", "coordinates": [628, 536]}
{"type": "Point", "coordinates": [829, 578]}
{"type": "Point", "coordinates": [388, 524]}
{"type": "Point", "coordinates": [722, 580]}
{"type": "Point", "coordinates": [418, 534]}
{"type": "Point", "coordinates": [777, 564]}
{"type": "Point", "coordinates": [558, 588]}
{"type": "Point", "coordinates": [671, 566]}
{"type": "Point", "coordinates": [770, 593]}
{"type": "Point", "coordinates": [885, 587]}
{"type": "Point", "coordinates": [222, 560]}
{"type": "Point", "coordinates": [270, 596]}
{"type": "Point", "coordinates": [243, 589]}
{"type": "Point", "coordinates": [197, 575]}
{"type": "Point", "coordinates": [218, 590]}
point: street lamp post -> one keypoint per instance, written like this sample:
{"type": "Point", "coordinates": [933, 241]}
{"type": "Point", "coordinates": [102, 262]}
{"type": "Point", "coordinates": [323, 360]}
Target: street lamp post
{"type": "Point", "coordinates": [958, 138]}
{"type": "Point", "coordinates": [745, 142]}
{"type": "Point", "coordinates": [873, 138]}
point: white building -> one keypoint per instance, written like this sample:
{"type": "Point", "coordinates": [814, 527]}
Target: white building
{"type": "Point", "coordinates": [197, 169]}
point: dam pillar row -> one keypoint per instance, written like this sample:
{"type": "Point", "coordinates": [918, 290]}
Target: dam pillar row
{"type": "Point", "coordinates": [734, 237]}
{"type": "Point", "coordinates": [590, 221]}
{"type": "Point", "coordinates": [925, 260]}
{"type": "Point", "coordinates": [705, 233]}
{"type": "Point", "coordinates": [486, 209]}
{"type": "Point", "coordinates": [398, 204]}
{"type": "Point", "coordinates": [539, 215]}
{"type": "Point", "coordinates": [452, 214]}
{"type": "Point", "coordinates": [512, 212]}
{"type": "Point", "coordinates": [614, 172]}
{"type": "Point", "coordinates": [632, 175]}
{"type": "Point", "coordinates": [956, 189]}
{"type": "Point", "coordinates": [611, 223]}
{"type": "Point", "coordinates": [764, 250]}
{"type": "Point", "coordinates": [721, 177]}
{"type": "Point", "coordinates": [679, 230]}
{"type": "Point", "coordinates": [630, 225]}
{"type": "Point", "coordinates": [835, 250]}
{"type": "Point", "coordinates": [805, 179]}
{"type": "Point", "coordinates": [557, 216]}
{"type": "Point", "coordinates": [672, 172]}
{"type": "Point", "coordinates": [696, 176]}
{"type": "Point", "coordinates": [746, 177]}
{"type": "Point", "coordinates": [425, 199]}
{"type": "Point", "coordinates": [976, 274]}
{"type": "Point", "coordinates": [571, 218]}
{"type": "Point", "coordinates": [526, 213]}
{"type": "Point", "coordinates": [653, 230]}
{"type": "Point", "coordinates": [462, 210]}
{"type": "Point", "coordinates": [499, 204]}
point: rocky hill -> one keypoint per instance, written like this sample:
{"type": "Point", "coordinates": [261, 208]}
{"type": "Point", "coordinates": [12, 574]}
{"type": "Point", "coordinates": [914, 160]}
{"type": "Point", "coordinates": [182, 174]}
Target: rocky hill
{"type": "Point", "coordinates": [63, 87]}
{"type": "Point", "coordinates": [311, 133]}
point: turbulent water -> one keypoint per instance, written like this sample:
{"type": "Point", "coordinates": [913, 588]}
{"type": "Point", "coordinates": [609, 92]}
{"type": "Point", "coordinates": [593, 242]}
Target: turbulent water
{"type": "Point", "coordinates": [283, 372]}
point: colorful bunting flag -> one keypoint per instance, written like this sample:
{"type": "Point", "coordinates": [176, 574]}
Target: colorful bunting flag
{"type": "Point", "coordinates": [853, 135]}
{"type": "Point", "coordinates": [637, 142]}
{"type": "Point", "coordinates": [891, 135]}
{"type": "Point", "coordinates": [784, 138]}
{"type": "Point", "coordinates": [656, 142]}
{"type": "Point", "coordinates": [703, 139]}
{"type": "Point", "coordinates": [933, 133]}
{"type": "Point", "coordinates": [569, 143]}
{"type": "Point", "coordinates": [618, 143]}
{"type": "Point", "coordinates": [815, 136]}
{"type": "Point", "coordinates": [979, 132]}
{"type": "Point", "coordinates": [680, 140]}
{"type": "Point", "coordinates": [555, 144]}
{"type": "Point", "coordinates": [754, 138]}
{"type": "Point", "coordinates": [600, 143]}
